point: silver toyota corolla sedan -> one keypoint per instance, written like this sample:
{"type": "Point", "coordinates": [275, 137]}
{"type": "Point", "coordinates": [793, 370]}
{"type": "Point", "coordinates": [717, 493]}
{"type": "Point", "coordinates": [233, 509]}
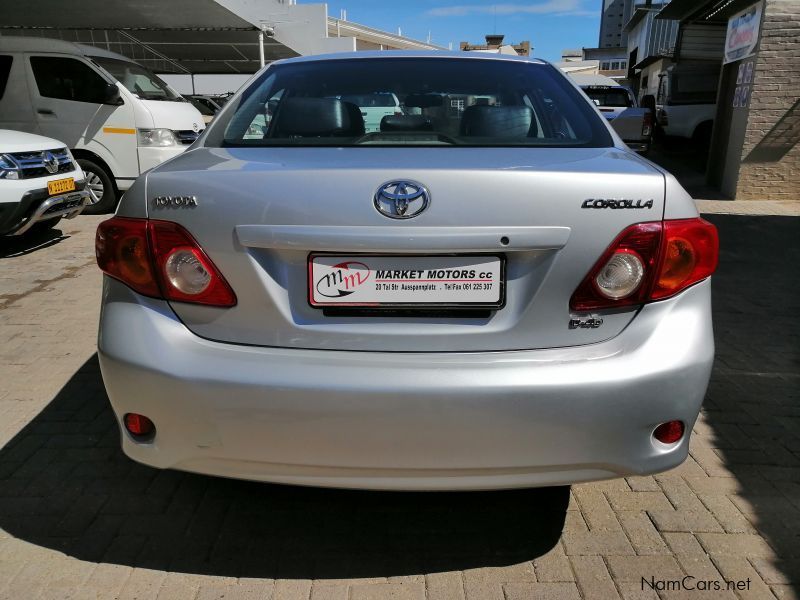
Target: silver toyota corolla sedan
{"type": "Point", "coordinates": [486, 289]}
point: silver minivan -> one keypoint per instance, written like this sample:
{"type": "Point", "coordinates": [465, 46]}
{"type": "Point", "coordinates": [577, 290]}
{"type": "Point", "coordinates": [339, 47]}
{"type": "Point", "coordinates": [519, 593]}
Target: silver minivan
{"type": "Point", "coordinates": [489, 291]}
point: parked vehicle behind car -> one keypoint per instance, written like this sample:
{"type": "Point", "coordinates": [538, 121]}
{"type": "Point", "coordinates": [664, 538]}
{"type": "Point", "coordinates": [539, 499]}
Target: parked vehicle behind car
{"type": "Point", "coordinates": [40, 183]}
{"type": "Point", "coordinates": [686, 102]}
{"type": "Point", "coordinates": [117, 118]}
{"type": "Point", "coordinates": [495, 297]}
{"type": "Point", "coordinates": [634, 124]}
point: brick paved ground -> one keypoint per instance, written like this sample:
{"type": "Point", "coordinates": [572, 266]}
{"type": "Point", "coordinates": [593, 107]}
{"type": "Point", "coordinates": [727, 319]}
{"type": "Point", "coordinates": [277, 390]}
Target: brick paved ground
{"type": "Point", "coordinates": [79, 520]}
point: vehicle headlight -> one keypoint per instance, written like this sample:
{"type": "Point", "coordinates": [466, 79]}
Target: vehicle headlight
{"type": "Point", "coordinates": [8, 168]}
{"type": "Point", "coordinates": [157, 137]}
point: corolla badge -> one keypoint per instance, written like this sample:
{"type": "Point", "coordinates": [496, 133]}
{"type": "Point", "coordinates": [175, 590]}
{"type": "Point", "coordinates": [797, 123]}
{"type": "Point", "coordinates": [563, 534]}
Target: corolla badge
{"type": "Point", "coordinates": [402, 199]}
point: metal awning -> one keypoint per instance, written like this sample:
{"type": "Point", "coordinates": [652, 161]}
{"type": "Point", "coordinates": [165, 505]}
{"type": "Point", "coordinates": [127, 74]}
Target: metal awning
{"type": "Point", "coordinates": [709, 11]}
{"type": "Point", "coordinates": [175, 36]}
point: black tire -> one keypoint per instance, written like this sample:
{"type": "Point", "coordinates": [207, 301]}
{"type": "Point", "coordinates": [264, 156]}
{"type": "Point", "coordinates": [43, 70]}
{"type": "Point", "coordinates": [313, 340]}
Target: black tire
{"type": "Point", "coordinates": [42, 226]}
{"type": "Point", "coordinates": [100, 186]}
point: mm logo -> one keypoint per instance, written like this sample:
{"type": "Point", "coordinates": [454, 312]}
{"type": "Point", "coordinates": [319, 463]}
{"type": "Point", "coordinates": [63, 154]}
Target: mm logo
{"type": "Point", "coordinates": [345, 278]}
{"type": "Point", "coordinates": [174, 201]}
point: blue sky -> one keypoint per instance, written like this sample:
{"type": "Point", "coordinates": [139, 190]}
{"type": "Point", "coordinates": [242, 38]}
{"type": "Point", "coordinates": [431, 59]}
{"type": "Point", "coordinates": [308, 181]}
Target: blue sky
{"type": "Point", "coordinates": [550, 25]}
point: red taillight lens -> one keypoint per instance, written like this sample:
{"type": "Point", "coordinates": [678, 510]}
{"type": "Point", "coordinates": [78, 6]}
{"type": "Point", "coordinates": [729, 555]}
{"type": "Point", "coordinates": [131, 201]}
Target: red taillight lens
{"type": "Point", "coordinates": [643, 241]}
{"type": "Point", "coordinates": [160, 259]}
{"type": "Point", "coordinates": [122, 251]}
{"type": "Point", "coordinates": [647, 124]}
{"type": "Point", "coordinates": [691, 253]}
{"type": "Point", "coordinates": [674, 255]}
{"type": "Point", "coordinates": [669, 432]}
{"type": "Point", "coordinates": [186, 273]}
{"type": "Point", "coordinates": [139, 425]}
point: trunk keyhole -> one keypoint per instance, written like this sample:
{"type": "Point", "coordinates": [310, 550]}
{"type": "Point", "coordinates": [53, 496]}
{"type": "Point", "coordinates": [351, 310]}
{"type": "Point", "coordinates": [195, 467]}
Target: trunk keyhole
{"type": "Point", "coordinates": [504, 241]}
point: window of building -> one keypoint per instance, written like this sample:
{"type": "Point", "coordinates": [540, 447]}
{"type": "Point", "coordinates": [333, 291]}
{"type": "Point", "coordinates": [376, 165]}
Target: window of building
{"type": "Point", "coordinates": [5, 70]}
{"type": "Point", "coordinates": [615, 65]}
{"type": "Point", "coordinates": [67, 79]}
{"type": "Point", "coordinates": [605, 66]}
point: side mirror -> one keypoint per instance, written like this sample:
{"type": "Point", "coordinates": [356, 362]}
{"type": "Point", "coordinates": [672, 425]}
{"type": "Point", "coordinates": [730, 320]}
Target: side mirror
{"type": "Point", "coordinates": [111, 95]}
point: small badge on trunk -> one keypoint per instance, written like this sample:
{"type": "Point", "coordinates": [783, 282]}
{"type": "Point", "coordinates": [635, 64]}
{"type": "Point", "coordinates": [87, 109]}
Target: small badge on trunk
{"type": "Point", "coordinates": [174, 201]}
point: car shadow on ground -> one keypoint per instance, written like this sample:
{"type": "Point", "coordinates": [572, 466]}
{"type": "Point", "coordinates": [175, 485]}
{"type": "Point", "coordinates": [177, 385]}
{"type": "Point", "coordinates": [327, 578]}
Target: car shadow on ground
{"type": "Point", "coordinates": [753, 401]}
{"type": "Point", "coordinates": [32, 241]}
{"type": "Point", "coordinates": [65, 485]}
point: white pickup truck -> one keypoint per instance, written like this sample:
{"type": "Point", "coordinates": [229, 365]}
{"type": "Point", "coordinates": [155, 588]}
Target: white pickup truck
{"type": "Point", "coordinates": [40, 182]}
{"type": "Point", "coordinates": [687, 100]}
{"type": "Point", "coordinates": [634, 124]}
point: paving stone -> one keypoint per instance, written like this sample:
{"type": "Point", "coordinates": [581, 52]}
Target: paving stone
{"type": "Point", "coordinates": [738, 570]}
{"type": "Point", "coordinates": [605, 543]}
{"type": "Point", "coordinates": [726, 513]}
{"type": "Point", "coordinates": [292, 589]}
{"type": "Point", "coordinates": [541, 591]}
{"type": "Point", "coordinates": [641, 533]}
{"type": "Point", "coordinates": [636, 568]}
{"type": "Point", "coordinates": [628, 501]}
{"type": "Point", "coordinates": [553, 567]}
{"type": "Point", "coordinates": [684, 544]}
{"type": "Point", "coordinates": [595, 509]}
{"type": "Point", "coordinates": [445, 586]}
{"type": "Point", "coordinates": [388, 591]}
{"type": "Point", "coordinates": [594, 580]}
{"type": "Point", "coordinates": [780, 572]}
{"type": "Point", "coordinates": [736, 544]}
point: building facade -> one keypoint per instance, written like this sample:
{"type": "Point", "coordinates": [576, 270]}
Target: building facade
{"type": "Point", "coordinates": [613, 17]}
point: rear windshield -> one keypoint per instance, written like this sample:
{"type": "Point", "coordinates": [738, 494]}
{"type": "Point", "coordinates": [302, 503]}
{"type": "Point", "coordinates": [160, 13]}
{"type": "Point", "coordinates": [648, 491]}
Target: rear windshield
{"type": "Point", "coordinates": [609, 97]}
{"type": "Point", "coordinates": [410, 101]}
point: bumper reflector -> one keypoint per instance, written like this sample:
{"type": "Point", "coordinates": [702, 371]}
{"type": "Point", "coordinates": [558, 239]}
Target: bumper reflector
{"type": "Point", "coordinates": [669, 432]}
{"type": "Point", "coordinates": [139, 425]}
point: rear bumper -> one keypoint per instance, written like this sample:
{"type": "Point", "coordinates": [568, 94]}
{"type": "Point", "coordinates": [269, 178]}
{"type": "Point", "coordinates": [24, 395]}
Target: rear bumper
{"type": "Point", "coordinates": [407, 420]}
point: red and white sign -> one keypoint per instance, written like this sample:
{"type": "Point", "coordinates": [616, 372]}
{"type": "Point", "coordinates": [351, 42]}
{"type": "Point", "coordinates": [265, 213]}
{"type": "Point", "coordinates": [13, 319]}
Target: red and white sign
{"type": "Point", "coordinates": [336, 280]}
{"type": "Point", "coordinates": [742, 37]}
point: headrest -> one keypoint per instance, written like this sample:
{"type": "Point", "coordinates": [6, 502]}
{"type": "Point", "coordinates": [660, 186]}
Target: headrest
{"type": "Point", "coordinates": [406, 123]}
{"type": "Point", "coordinates": [318, 117]}
{"type": "Point", "coordinates": [498, 121]}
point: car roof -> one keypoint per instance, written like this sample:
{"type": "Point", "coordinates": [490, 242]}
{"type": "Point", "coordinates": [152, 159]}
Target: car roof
{"type": "Point", "coordinates": [389, 54]}
{"type": "Point", "coordinates": [18, 43]}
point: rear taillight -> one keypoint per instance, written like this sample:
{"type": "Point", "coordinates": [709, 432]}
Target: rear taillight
{"type": "Point", "coordinates": [160, 259]}
{"type": "Point", "coordinates": [647, 124]}
{"type": "Point", "coordinates": [649, 261]}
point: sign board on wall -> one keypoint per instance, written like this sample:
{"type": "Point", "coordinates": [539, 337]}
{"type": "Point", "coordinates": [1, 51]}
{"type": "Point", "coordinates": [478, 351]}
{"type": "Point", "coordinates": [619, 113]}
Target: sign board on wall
{"type": "Point", "coordinates": [743, 30]}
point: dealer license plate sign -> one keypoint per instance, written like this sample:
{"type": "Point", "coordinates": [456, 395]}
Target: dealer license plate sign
{"type": "Point", "coordinates": [406, 281]}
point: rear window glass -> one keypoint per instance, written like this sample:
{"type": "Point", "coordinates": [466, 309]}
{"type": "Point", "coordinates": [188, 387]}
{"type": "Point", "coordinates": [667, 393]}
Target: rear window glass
{"type": "Point", "coordinates": [5, 69]}
{"type": "Point", "coordinates": [609, 97]}
{"type": "Point", "coordinates": [411, 101]}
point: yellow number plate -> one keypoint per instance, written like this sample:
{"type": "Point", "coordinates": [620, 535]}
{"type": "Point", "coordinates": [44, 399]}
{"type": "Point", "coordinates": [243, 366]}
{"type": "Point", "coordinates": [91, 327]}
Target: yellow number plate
{"type": "Point", "coordinates": [59, 186]}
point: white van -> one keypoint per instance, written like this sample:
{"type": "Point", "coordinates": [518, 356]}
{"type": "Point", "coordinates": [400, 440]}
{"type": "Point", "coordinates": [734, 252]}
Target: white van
{"type": "Point", "coordinates": [117, 118]}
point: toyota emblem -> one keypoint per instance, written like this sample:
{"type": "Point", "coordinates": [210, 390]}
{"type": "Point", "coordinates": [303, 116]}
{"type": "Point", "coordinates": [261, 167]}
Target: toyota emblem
{"type": "Point", "coordinates": [401, 199]}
